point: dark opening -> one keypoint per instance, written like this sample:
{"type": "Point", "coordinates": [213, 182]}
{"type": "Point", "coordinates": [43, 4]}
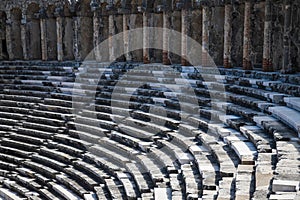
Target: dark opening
{"type": "Point", "coordinates": [4, 49]}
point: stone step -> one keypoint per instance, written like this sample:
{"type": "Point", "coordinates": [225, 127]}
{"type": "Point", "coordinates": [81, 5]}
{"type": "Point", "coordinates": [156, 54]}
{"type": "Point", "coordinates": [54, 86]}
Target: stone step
{"type": "Point", "coordinates": [9, 195]}
{"type": "Point", "coordinates": [293, 102]}
{"type": "Point", "coordinates": [289, 116]}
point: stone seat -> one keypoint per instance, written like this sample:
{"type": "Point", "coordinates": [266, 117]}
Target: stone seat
{"type": "Point", "coordinates": [83, 137]}
{"type": "Point", "coordinates": [110, 125]}
{"type": "Point", "coordinates": [48, 195]}
{"type": "Point", "coordinates": [17, 104]}
{"type": "Point", "coordinates": [96, 172]}
{"type": "Point", "coordinates": [68, 149]}
{"type": "Point", "coordinates": [87, 129]}
{"type": "Point", "coordinates": [74, 142]}
{"type": "Point", "coordinates": [268, 85]}
{"type": "Point", "coordinates": [208, 170]}
{"type": "Point", "coordinates": [52, 115]}
{"type": "Point", "coordinates": [100, 115]}
{"type": "Point", "coordinates": [289, 116]}
{"type": "Point", "coordinates": [63, 191]}
{"type": "Point", "coordinates": [51, 108]}
{"type": "Point", "coordinates": [293, 102]}
{"type": "Point", "coordinates": [35, 133]}
{"type": "Point", "coordinates": [118, 112]}
{"type": "Point", "coordinates": [176, 151]}
{"type": "Point", "coordinates": [135, 132]}
{"type": "Point", "coordinates": [19, 145]}
{"type": "Point", "coordinates": [30, 88]}
{"type": "Point", "coordinates": [183, 141]}
{"type": "Point", "coordinates": [15, 152]}
{"type": "Point", "coordinates": [53, 163]}
{"type": "Point", "coordinates": [58, 102]}
{"type": "Point", "coordinates": [144, 184]}
{"type": "Point", "coordinates": [117, 103]}
{"type": "Point", "coordinates": [153, 128]}
{"type": "Point", "coordinates": [7, 166]}
{"type": "Point", "coordinates": [21, 98]}
{"type": "Point", "coordinates": [285, 186]}
{"type": "Point", "coordinates": [46, 121]}
{"type": "Point", "coordinates": [27, 139]}
{"type": "Point", "coordinates": [154, 170]}
{"type": "Point", "coordinates": [191, 180]}
{"type": "Point", "coordinates": [62, 78]}
{"type": "Point", "coordinates": [244, 182]}
{"type": "Point", "coordinates": [9, 122]}
{"type": "Point", "coordinates": [41, 127]}
{"type": "Point", "coordinates": [11, 158]}
{"type": "Point", "coordinates": [130, 141]}
{"type": "Point", "coordinates": [272, 97]}
{"type": "Point", "coordinates": [15, 110]}
{"type": "Point", "coordinates": [226, 190]}
{"type": "Point", "coordinates": [164, 159]}
{"type": "Point", "coordinates": [114, 156]}
{"type": "Point", "coordinates": [287, 150]}
{"type": "Point", "coordinates": [227, 160]}
{"type": "Point", "coordinates": [115, 188]}
{"type": "Point", "coordinates": [118, 148]}
{"type": "Point", "coordinates": [246, 151]}
{"type": "Point", "coordinates": [9, 195]}
{"type": "Point", "coordinates": [103, 163]}
{"type": "Point", "coordinates": [84, 179]}
{"type": "Point", "coordinates": [128, 184]}
{"type": "Point", "coordinates": [262, 141]}
{"type": "Point", "coordinates": [9, 115]}
{"type": "Point", "coordinates": [41, 169]}
{"type": "Point", "coordinates": [57, 155]}
{"type": "Point", "coordinates": [23, 92]}
{"type": "Point", "coordinates": [29, 183]}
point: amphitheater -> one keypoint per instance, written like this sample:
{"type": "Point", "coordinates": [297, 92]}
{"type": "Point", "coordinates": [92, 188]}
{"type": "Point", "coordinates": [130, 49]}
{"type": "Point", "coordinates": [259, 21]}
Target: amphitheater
{"type": "Point", "coordinates": [85, 115]}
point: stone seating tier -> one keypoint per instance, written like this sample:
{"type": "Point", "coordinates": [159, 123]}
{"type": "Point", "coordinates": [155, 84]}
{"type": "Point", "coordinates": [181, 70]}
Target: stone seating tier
{"type": "Point", "coordinates": [37, 124]}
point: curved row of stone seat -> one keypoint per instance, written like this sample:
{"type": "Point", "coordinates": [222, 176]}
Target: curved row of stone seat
{"type": "Point", "coordinates": [35, 127]}
{"type": "Point", "coordinates": [175, 107]}
{"type": "Point", "coordinates": [127, 84]}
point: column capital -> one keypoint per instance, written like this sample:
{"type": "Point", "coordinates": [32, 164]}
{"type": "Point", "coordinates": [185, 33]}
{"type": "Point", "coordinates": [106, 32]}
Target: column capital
{"type": "Point", "coordinates": [8, 22]}
{"type": "Point", "coordinates": [59, 12]}
{"type": "Point", "coordinates": [42, 13]}
{"type": "Point", "coordinates": [202, 3]}
{"type": "Point", "coordinates": [147, 6]}
{"type": "Point", "coordinates": [23, 20]}
{"type": "Point", "coordinates": [94, 6]}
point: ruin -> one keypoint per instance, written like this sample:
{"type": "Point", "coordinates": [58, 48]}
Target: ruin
{"type": "Point", "coordinates": [149, 125]}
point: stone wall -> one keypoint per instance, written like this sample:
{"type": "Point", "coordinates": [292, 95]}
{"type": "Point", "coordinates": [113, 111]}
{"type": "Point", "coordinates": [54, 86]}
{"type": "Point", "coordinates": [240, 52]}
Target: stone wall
{"type": "Point", "coordinates": [69, 30]}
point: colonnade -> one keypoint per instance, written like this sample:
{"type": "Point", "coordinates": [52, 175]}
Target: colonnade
{"type": "Point", "coordinates": [70, 32]}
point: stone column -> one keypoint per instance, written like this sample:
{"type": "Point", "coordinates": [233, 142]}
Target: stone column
{"type": "Point", "coordinates": [205, 36]}
{"type": "Point", "coordinates": [96, 36]}
{"type": "Point", "coordinates": [1, 52]}
{"type": "Point", "coordinates": [126, 37]}
{"type": "Point", "coordinates": [24, 36]}
{"type": "Point", "coordinates": [227, 35]}
{"type": "Point", "coordinates": [44, 41]}
{"type": "Point", "coordinates": [267, 60]}
{"type": "Point", "coordinates": [8, 38]}
{"type": "Point", "coordinates": [247, 36]}
{"type": "Point", "coordinates": [111, 32]}
{"type": "Point", "coordinates": [166, 26]}
{"type": "Point", "coordinates": [185, 30]}
{"type": "Point", "coordinates": [59, 33]}
{"type": "Point", "coordinates": [287, 62]}
{"type": "Point", "coordinates": [76, 45]}
{"type": "Point", "coordinates": [146, 37]}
